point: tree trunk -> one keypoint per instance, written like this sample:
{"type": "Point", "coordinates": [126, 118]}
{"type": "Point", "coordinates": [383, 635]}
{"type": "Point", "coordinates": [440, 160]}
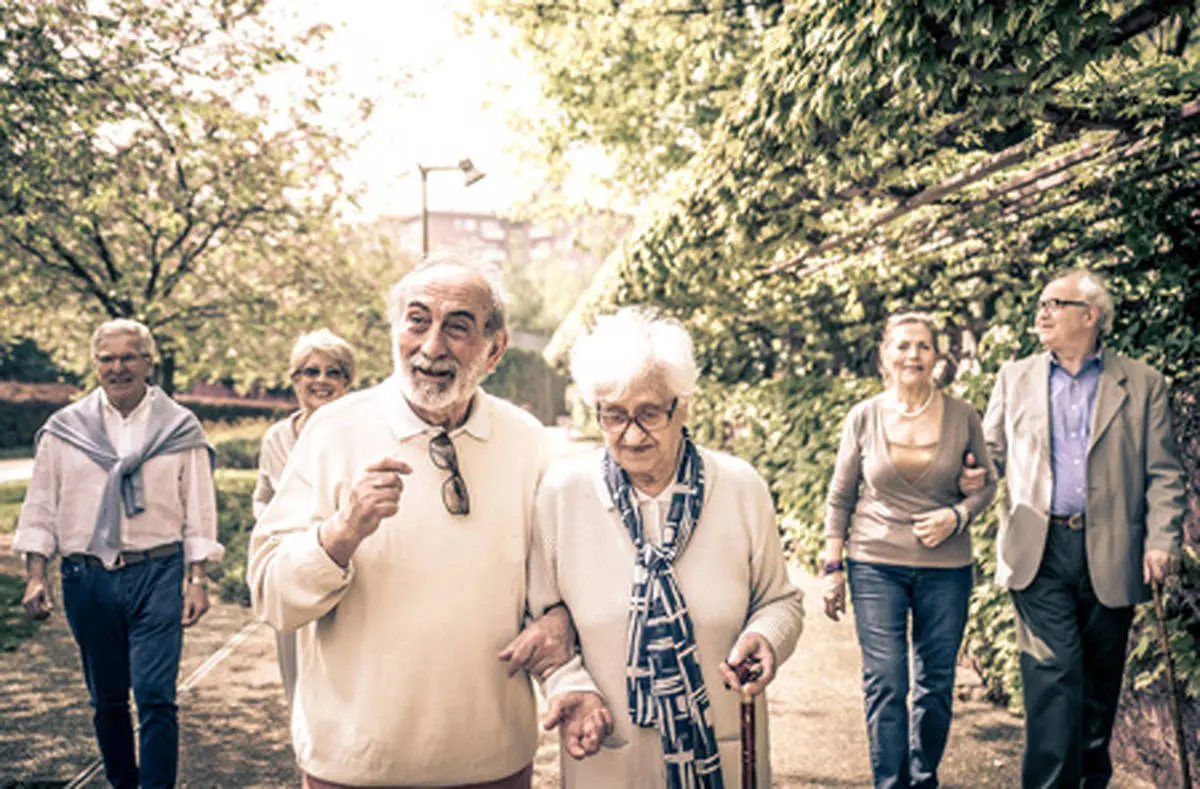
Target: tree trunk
{"type": "Point", "coordinates": [166, 370]}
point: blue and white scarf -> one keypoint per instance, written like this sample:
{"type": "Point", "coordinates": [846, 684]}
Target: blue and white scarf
{"type": "Point", "coordinates": [662, 672]}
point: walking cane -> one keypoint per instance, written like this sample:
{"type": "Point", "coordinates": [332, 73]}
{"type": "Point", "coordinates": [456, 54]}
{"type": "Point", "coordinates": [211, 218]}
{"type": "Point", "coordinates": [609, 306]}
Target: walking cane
{"type": "Point", "coordinates": [1176, 718]}
{"type": "Point", "coordinates": [748, 671]}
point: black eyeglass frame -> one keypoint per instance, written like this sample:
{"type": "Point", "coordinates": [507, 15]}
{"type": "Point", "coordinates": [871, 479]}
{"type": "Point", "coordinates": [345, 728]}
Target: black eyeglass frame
{"type": "Point", "coordinates": [455, 497]}
{"type": "Point", "coordinates": [633, 419]}
{"type": "Point", "coordinates": [1054, 305]}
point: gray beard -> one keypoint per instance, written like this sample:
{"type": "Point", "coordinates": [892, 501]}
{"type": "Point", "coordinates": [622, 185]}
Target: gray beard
{"type": "Point", "coordinates": [435, 396]}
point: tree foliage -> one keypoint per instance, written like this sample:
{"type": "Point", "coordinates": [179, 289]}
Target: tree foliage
{"type": "Point", "coordinates": [645, 80]}
{"type": "Point", "coordinates": [147, 175]}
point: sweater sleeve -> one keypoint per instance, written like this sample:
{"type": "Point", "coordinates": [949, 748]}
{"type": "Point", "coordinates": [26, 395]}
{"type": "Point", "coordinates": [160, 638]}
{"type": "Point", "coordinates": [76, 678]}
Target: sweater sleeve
{"type": "Point", "coordinates": [847, 474]}
{"type": "Point", "coordinates": [978, 501]}
{"type": "Point", "coordinates": [543, 591]}
{"type": "Point", "coordinates": [776, 604]}
{"type": "Point", "coordinates": [292, 580]}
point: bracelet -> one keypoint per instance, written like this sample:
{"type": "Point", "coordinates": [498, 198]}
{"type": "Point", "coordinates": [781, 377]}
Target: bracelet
{"type": "Point", "coordinates": [833, 566]}
{"type": "Point", "coordinates": [958, 520]}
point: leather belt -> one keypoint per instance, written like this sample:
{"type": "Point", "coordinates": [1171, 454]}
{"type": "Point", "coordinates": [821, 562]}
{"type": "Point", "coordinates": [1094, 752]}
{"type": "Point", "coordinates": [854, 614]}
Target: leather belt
{"type": "Point", "coordinates": [1074, 522]}
{"type": "Point", "coordinates": [125, 558]}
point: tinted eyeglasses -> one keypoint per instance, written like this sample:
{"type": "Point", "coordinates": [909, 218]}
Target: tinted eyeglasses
{"type": "Point", "coordinates": [454, 489]}
{"type": "Point", "coordinates": [1054, 305]}
{"type": "Point", "coordinates": [125, 359]}
{"type": "Point", "coordinates": [649, 418]}
{"type": "Point", "coordinates": [313, 373]}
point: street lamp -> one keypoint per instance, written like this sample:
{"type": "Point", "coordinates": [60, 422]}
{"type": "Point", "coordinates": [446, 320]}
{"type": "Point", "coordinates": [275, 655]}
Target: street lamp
{"type": "Point", "coordinates": [470, 172]}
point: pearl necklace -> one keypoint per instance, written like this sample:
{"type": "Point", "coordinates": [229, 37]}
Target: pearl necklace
{"type": "Point", "coordinates": [914, 414]}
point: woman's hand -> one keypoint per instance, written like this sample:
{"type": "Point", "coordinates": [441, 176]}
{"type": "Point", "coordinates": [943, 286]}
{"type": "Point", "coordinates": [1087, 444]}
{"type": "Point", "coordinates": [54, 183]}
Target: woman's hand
{"type": "Point", "coordinates": [933, 527]}
{"type": "Point", "coordinates": [750, 666]}
{"type": "Point", "coordinates": [835, 595]}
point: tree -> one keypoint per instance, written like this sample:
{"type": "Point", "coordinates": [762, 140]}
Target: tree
{"type": "Point", "coordinates": [145, 175]}
{"type": "Point", "coordinates": [646, 81]}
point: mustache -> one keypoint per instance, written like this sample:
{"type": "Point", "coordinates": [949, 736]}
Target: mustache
{"type": "Point", "coordinates": [436, 366]}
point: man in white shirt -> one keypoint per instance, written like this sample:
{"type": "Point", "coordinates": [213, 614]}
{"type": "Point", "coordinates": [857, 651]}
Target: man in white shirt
{"type": "Point", "coordinates": [398, 547]}
{"type": "Point", "coordinates": [122, 488]}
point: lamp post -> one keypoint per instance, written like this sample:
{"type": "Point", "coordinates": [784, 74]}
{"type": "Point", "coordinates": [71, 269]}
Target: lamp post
{"type": "Point", "coordinates": [470, 172]}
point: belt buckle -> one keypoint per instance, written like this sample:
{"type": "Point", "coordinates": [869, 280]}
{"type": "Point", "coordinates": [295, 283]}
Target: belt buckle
{"type": "Point", "coordinates": [1075, 521]}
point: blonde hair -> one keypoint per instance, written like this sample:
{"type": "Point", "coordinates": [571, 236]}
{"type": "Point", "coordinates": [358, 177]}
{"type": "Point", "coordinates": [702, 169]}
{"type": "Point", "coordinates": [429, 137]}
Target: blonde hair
{"type": "Point", "coordinates": [326, 342]}
{"type": "Point", "coordinates": [895, 321]}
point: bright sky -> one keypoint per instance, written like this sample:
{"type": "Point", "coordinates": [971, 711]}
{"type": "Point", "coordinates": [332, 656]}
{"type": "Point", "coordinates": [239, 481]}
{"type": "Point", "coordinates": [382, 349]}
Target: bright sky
{"type": "Point", "coordinates": [454, 106]}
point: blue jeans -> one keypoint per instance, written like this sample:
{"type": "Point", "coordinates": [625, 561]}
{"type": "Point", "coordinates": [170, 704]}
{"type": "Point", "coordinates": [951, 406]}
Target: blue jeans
{"type": "Point", "coordinates": [906, 748]}
{"type": "Point", "coordinates": [127, 625]}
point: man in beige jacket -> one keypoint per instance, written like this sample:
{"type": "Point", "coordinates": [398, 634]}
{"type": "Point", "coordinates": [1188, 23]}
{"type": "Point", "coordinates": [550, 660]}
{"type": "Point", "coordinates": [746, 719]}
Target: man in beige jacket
{"type": "Point", "coordinates": [397, 547]}
{"type": "Point", "coordinates": [1094, 510]}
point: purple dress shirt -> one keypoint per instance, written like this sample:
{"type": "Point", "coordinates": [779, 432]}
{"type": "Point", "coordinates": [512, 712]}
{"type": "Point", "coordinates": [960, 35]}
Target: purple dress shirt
{"type": "Point", "coordinates": [1072, 402]}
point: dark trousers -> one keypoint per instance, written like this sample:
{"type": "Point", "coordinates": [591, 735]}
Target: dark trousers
{"type": "Point", "coordinates": [127, 625]}
{"type": "Point", "coordinates": [905, 747]}
{"type": "Point", "coordinates": [1072, 661]}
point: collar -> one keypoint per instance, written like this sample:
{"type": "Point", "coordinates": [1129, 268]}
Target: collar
{"type": "Point", "coordinates": [1093, 359]}
{"type": "Point", "coordinates": [140, 412]}
{"type": "Point", "coordinates": [406, 424]}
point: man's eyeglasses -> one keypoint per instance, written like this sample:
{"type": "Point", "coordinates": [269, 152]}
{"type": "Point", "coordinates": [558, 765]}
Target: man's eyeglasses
{"type": "Point", "coordinates": [313, 373]}
{"type": "Point", "coordinates": [649, 418]}
{"type": "Point", "coordinates": [125, 359]}
{"type": "Point", "coordinates": [1054, 305]}
{"type": "Point", "coordinates": [454, 489]}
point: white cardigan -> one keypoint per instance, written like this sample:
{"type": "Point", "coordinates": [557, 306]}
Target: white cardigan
{"type": "Point", "coordinates": [732, 575]}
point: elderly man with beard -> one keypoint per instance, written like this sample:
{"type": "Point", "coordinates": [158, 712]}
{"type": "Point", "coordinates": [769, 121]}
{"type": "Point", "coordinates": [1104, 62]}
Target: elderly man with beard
{"type": "Point", "coordinates": [397, 547]}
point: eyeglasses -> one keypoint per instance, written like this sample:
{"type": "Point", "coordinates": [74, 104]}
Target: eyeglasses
{"type": "Point", "coordinates": [649, 418]}
{"type": "Point", "coordinates": [454, 489]}
{"type": "Point", "coordinates": [1054, 305]}
{"type": "Point", "coordinates": [125, 359]}
{"type": "Point", "coordinates": [313, 373]}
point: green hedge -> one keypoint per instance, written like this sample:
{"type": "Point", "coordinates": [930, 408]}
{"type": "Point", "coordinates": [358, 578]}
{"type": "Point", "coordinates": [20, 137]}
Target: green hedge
{"type": "Point", "coordinates": [20, 421]}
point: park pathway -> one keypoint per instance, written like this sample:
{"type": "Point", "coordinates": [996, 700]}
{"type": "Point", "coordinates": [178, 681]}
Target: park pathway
{"type": "Point", "coordinates": [234, 731]}
{"type": "Point", "coordinates": [234, 727]}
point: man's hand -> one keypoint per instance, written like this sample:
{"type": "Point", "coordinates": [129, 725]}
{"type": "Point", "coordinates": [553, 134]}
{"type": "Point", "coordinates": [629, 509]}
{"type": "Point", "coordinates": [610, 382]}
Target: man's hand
{"type": "Point", "coordinates": [1159, 565]}
{"type": "Point", "coordinates": [545, 644]}
{"type": "Point", "coordinates": [933, 527]}
{"type": "Point", "coordinates": [750, 666]}
{"type": "Point", "coordinates": [835, 595]}
{"type": "Point", "coordinates": [195, 603]}
{"type": "Point", "coordinates": [584, 719]}
{"type": "Point", "coordinates": [38, 600]}
{"type": "Point", "coordinates": [374, 497]}
{"type": "Point", "coordinates": [973, 476]}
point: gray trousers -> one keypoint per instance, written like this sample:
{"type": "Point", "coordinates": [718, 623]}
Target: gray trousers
{"type": "Point", "coordinates": [1072, 661]}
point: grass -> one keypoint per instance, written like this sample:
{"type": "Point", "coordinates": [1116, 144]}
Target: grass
{"type": "Point", "coordinates": [15, 627]}
{"type": "Point", "coordinates": [11, 496]}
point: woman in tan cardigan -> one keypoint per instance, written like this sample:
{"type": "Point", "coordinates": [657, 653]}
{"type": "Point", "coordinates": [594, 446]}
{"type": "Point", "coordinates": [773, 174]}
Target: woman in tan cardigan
{"type": "Point", "coordinates": [669, 559]}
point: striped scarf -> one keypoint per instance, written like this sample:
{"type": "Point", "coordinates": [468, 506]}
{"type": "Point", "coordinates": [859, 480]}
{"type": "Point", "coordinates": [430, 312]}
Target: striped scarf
{"type": "Point", "coordinates": [662, 673]}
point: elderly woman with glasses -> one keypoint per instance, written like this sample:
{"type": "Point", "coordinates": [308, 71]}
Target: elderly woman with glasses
{"type": "Point", "coordinates": [322, 370]}
{"type": "Point", "coordinates": [669, 559]}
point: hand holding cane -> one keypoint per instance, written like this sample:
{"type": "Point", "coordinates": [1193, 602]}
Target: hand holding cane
{"type": "Point", "coordinates": [748, 671]}
{"type": "Point", "coordinates": [1176, 718]}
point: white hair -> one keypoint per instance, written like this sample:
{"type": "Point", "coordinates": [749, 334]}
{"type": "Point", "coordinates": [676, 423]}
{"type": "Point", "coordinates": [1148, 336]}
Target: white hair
{"type": "Point", "coordinates": [1094, 289]}
{"type": "Point", "coordinates": [145, 339]}
{"type": "Point", "coordinates": [488, 272]}
{"type": "Point", "coordinates": [633, 345]}
{"type": "Point", "coordinates": [326, 342]}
